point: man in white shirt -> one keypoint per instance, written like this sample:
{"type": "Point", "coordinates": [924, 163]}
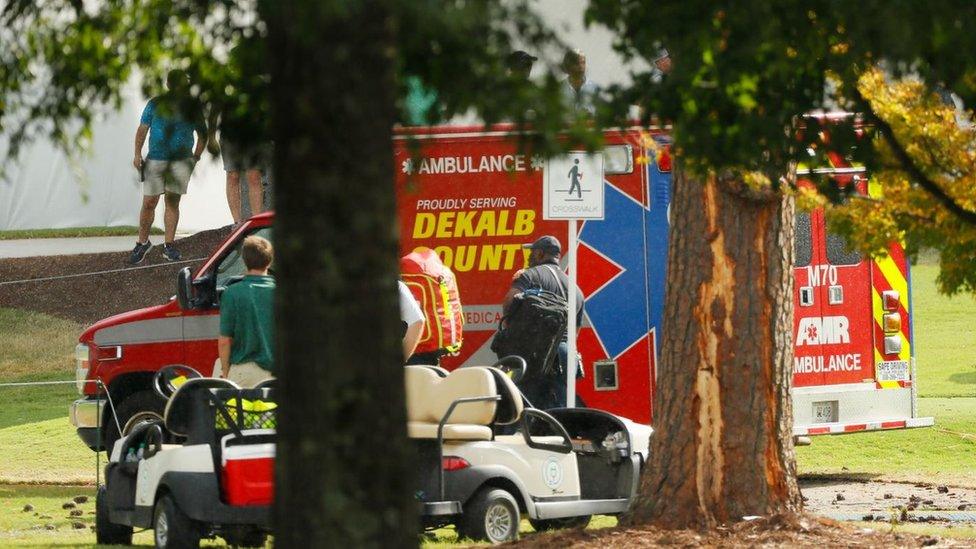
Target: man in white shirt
{"type": "Point", "coordinates": [578, 92]}
{"type": "Point", "coordinates": [413, 320]}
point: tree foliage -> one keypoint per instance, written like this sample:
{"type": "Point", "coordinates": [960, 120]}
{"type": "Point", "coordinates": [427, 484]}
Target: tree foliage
{"type": "Point", "coordinates": [927, 130]}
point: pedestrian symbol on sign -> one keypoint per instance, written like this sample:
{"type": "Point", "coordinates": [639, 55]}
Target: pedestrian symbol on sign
{"type": "Point", "coordinates": [575, 176]}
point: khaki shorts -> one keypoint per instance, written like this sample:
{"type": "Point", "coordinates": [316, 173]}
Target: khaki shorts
{"type": "Point", "coordinates": [169, 176]}
{"type": "Point", "coordinates": [248, 375]}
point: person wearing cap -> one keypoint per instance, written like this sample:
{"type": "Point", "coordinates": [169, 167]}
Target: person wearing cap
{"type": "Point", "coordinates": [519, 64]}
{"type": "Point", "coordinates": [578, 92]}
{"type": "Point", "coordinates": [662, 66]}
{"type": "Point", "coordinates": [545, 274]}
{"type": "Point", "coordinates": [663, 61]}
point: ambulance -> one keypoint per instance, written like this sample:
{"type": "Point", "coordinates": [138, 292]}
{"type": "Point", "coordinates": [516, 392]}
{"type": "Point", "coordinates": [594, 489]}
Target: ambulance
{"type": "Point", "coordinates": [474, 196]}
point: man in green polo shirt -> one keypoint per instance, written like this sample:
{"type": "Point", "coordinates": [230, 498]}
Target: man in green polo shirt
{"type": "Point", "coordinates": [246, 343]}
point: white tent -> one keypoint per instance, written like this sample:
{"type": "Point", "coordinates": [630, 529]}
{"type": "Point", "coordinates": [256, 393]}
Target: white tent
{"type": "Point", "coordinates": [101, 188]}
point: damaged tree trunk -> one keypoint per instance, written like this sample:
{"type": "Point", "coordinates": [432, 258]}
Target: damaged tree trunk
{"type": "Point", "coordinates": [723, 447]}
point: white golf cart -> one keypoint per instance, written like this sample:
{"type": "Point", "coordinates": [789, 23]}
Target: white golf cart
{"type": "Point", "coordinates": [487, 458]}
{"type": "Point", "coordinates": [219, 482]}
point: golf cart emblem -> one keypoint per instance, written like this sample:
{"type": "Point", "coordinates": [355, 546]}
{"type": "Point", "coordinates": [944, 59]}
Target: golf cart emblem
{"type": "Point", "coordinates": [552, 472]}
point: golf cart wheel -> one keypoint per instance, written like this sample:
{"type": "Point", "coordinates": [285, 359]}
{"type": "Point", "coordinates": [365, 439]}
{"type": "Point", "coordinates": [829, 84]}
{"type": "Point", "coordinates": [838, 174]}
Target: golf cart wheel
{"type": "Point", "coordinates": [545, 525]}
{"type": "Point", "coordinates": [106, 532]}
{"type": "Point", "coordinates": [138, 408]}
{"type": "Point", "coordinates": [492, 514]}
{"type": "Point", "coordinates": [172, 529]}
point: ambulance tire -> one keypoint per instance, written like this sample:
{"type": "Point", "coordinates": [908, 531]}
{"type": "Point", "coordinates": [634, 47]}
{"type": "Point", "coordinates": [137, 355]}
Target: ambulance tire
{"type": "Point", "coordinates": [172, 529]}
{"type": "Point", "coordinates": [135, 409]}
{"type": "Point", "coordinates": [106, 532]}
{"type": "Point", "coordinates": [491, 514]}
{"type": "Point", "coordinates": [545, 525]}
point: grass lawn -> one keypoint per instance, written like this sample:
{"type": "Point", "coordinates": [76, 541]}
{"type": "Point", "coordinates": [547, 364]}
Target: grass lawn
{"type": "Point", "coordinates": [943, 454]}
{"type": "Point", "coordinates": [38, 442]}
{"type": "Point", "coordinates": [945, 336]}
{"type": "Point", "coordinates": [74, 232]}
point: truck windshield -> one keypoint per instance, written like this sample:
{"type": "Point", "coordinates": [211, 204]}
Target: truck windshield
{"type": "Point", "coordinates": [231, 267]}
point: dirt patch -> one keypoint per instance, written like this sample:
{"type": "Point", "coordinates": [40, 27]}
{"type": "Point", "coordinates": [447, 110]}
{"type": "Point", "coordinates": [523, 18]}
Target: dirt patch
{"type": "Point", "coordinates": [885, 501]}
{"type": "Point", "coordinates": [766, 532]}
{"type": "Point", "coordinates": [89, 298]}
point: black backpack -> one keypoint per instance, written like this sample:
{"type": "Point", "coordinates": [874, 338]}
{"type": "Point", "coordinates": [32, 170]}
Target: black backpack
{"type": "Point", "coordinates": [532, 329]}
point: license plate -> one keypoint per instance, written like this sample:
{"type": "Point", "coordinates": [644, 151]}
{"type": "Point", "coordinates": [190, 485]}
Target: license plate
{"type": "Point", "coordinates": [892, 370]}
{"type": "Point", "coordinates": [824, 412]}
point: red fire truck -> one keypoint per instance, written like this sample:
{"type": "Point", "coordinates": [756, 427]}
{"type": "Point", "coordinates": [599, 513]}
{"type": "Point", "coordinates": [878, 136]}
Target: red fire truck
{"type": "Point", "coordinates": [475, 197]}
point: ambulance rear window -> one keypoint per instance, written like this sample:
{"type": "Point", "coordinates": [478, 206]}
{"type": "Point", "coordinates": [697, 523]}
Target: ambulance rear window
{"type": "Point", "coordinates": [838, 253]}
{"type": "Point", "coordinates": [802, 245]}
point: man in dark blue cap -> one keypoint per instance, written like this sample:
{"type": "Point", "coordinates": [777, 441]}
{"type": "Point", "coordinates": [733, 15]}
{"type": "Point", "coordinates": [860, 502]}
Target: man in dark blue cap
{"type": "Point", "coordinates": [544, 273]}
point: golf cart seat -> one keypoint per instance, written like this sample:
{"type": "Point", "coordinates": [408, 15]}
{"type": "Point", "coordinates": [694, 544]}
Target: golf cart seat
{"type": "Point", "coordinates": [179, 408]}
{"type": "Point", "coordinates": [510, 407]}
{"type": "Point", "coordinates": [429, 396]}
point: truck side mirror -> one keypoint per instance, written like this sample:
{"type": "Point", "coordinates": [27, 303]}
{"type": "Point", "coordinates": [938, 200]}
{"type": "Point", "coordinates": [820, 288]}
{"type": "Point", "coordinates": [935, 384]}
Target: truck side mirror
{"type": "Point", "coordinates": [184, 289]}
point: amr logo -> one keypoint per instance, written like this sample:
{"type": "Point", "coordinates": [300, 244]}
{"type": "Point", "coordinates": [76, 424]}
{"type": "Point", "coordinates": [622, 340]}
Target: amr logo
{"type": "Point", "coordinates": [828, 330]}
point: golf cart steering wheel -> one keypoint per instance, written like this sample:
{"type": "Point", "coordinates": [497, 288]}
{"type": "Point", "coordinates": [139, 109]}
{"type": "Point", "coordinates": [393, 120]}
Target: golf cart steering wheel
{"type": "Point", "coordinates": [514, 366]}
{"type": "Point", "coordinates": [169, 378]}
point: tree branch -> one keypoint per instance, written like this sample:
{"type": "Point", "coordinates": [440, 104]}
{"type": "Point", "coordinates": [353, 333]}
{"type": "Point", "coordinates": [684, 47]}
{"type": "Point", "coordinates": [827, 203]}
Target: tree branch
{"type": "Point", "coordinates": [909, 165]}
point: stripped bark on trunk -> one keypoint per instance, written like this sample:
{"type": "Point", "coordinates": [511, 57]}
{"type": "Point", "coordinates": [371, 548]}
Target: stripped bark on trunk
{"type": "Point", "coordinates": [723, 447]}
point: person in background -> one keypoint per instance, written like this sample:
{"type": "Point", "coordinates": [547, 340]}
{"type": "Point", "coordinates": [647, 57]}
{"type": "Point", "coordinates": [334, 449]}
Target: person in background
{"type": "Point", "coordinates": [519, 64]}
{"type": "Point", "coordinates": [412, 318]}
{"type": "Point", "coordinates": [252, 160]}
{"type": "Point", "coordinates": [169, 120]}
{"type": "Point", "coordinates": [578, 92]}
{"type": "Point", "coordinates": [544, 273]}
{"type": "Point", "coordinates": [662, 64]}
{"type": "Point", "coordinates": [246, 342]}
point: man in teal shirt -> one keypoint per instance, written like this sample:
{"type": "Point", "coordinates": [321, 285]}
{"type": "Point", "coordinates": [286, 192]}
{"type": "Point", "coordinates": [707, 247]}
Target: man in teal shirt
{"type": "Point", "coordinates": [246, 342]}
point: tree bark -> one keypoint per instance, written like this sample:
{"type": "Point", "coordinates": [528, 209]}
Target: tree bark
{"type": "Point", "coordinates": [722, 447]}
{"type": "Point", "coordinates": [344, 468]}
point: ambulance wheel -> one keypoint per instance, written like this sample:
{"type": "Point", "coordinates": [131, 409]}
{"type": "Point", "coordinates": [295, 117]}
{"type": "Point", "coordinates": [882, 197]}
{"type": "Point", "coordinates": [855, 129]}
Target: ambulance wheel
{"type": "Point", "coordinates": [172, 528]}
{"type": "Point", "coordinates": [492, 514]}
{"type": "Point", "coordinates": [545, 525]}
{"type": "Point", "coordinates": [106, 532]}
{"type": "Point", "coordinates": [138, 408]}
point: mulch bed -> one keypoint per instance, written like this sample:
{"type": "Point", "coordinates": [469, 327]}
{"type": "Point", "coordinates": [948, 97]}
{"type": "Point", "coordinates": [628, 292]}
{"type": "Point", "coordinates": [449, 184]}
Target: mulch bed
{"type": "Point", "coordinates": [764, 532]}
{"type": "Point", "coordinates": [86, 299]}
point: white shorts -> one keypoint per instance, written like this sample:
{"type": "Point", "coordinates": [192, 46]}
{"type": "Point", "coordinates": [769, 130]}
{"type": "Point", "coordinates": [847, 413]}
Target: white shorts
{"type": "Point", "coordinates": [169, 176]}
{"type": "Point", "coordinates": [248, 375]}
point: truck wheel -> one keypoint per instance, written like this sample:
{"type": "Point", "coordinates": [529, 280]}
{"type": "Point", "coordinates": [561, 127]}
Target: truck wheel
{"type": "Point", "coordinates": [108, 533]}
{"type": "Point", "coordinates": [136, 409]}
{"type": "Point", "coordinates": [172, 528]}
{"type": "Point", "coordinates": [545, 525]}
{"type": "Point", "coordinates": [491, 514]}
